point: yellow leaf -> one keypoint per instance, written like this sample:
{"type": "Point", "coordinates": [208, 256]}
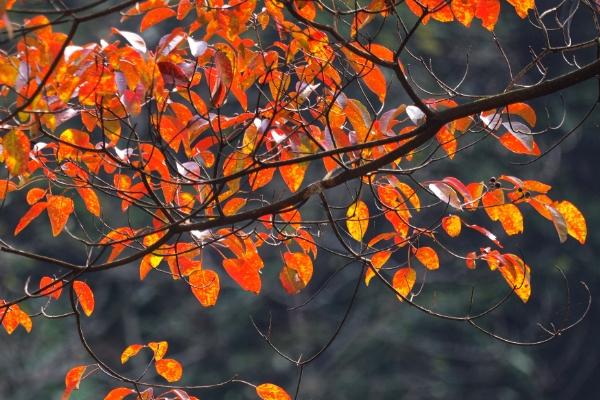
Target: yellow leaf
{"type": "Point", "coordinates": [16, 148]}
{"type": "Point", "coordinates": [357, 220]}
{"type": "Point", "coordinates": [576, 225]}
{"type": "Point", "coordinates": [511, 219]}
{"type": "Point", "coordinates": [130, 351]}
{"type": "Point", "coordinates": [159, 349]}
{"type": "Point", "coordinates": [452, 225]}
{"type": "Point", "coordinates": [403, 281]}
{"type": "Point", "coordinates": [517, 275]}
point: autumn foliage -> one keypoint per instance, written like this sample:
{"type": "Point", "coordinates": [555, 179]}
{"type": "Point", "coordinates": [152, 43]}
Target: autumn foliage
{"type": "Point", "coordinates": [217, 141]}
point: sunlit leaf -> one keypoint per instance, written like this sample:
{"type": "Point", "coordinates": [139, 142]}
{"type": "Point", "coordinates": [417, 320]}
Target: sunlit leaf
{"type": "Point", "coordinates": [269, 391]}
{"type": "Point", "coordinates": [428, 257]}
{"type": "Point", "coordinates": [377, 261]}
{"type": "Point", "coordinates": [34, 195]}
{"type": "Point", "coordinates": [245, 272]}
{"type": "Point", "coordinates": [90, 199]}
{"type": "Point", "coordinates": [30, 215]}
{"type": "Point", "coordinates": [119, 393]}
{"type": "Point", "coordinates": [233, 205]}
{"type": "Point", "coordinates": [130, 351]}
{"type": "Point", "coordinates": [357, 220]}
{"type": "Point", "coordinates": [169, 369]}
{"type": "Point", "coordinates": [72, 380]}
{"type": "Point", "coordinates": [155, 16]}
{"type": "Point", "coordinates": [296, 272]}
{"type": "Point", "coordinates": [135, 40]}
{"type": "Point", "coordinates": [159, 349]}
{"type": "Point", "coordinates": [576, 225]}
{"type": "Point", "coordinates": [59, 210]}
{"type": "Point", "coordinates": [445, 193]}
{"type": "Point", "coordinates": [403, 282]}
{"type": "Point", "coordinates": [205, 286]}
{"type": "Point", "coordinates": [511, 219]}
{"type": "Point", "coordinates": [517, 275]}
{"type": "Point", "coordinates": [15, 149]}
{"type": "Point", "coordinates": [52, 288]}
{"type": "Point", "coordinates": [85, 296]}
{"type": "Point", "coordinates": [452, 225]}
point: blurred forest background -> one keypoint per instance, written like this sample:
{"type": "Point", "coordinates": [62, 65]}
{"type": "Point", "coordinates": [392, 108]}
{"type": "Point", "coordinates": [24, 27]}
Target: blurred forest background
{"type": "Point", "coordinates": [386, 350]}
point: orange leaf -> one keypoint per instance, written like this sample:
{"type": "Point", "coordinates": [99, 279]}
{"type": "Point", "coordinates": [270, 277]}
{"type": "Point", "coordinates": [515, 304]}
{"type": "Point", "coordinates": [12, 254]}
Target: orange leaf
{"type": "Point", "coordinates": [297, 272]}
{"type": "Point", "coordinates": [130, 351]}
{"type": "Point", "coordinates": [233, 205]}
{"type": "Point", "coordinates": [52, 288]}
{"type": "Point", "coordinates": [292, 174]}
{"type": "Point", "coordinates": [268, 391]}
{"type": "Point", "coordinates": [13, 317]}
{"type": "Point", "coordinates": [357, 220]}
{"type": "Point", "coordinates": [244, 272]}
{"type": "Point", "coordinates": [90, 199]}
{"type": "Point", "coordinates": [522, 7]}
{"type": "Point", "coordinates": [30, 215]}
{"type": "Point", "coordinates": [360, 118]}
{"type": "Point", "coordinates": [34, 195]}
{"type": "Point", "coordinates": [16, 148]}
{"type": "Point", "coordinates": [576, 225]}
{"type": "Point", "coordinates": [403, 281]}
{"type": "Point", "coordinates": [119, 393]}
{"type": "Point", "coordinates": [523, 110]}
{"type": "Point", "coordinates": [59, 210]}
{"type": "Point", "coordinates": [155, 16]}
{"type": "Point", "coordinates": [72, 380]}
{"type": "Point", "coordinates": [159, 349]}
{"type": "Point", "coordinates": [428, 257]}
{"type": "Point", "coordinates": [378, 260]}
{"type": "Point", "coordinates": [517, 275]}
{"type": "Point", "coordinates": [85, 296]}
{"type": "Point", "coordinates": [452, 225]}
{"type": "Point", "coordinates": [205, 286]}
{"type": "Point", "coordinates": [492, 201]}
{"type": "Point", "coordinates": [513, 144]}
{"type": "Point", "coordinates": [488, 11]}
{"type": "Point", "coordinates": [511, 219]}
{"type": "Point", "coordinates": [6, 186]}
{"type": "Point", "coordinates": [169, 369]}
